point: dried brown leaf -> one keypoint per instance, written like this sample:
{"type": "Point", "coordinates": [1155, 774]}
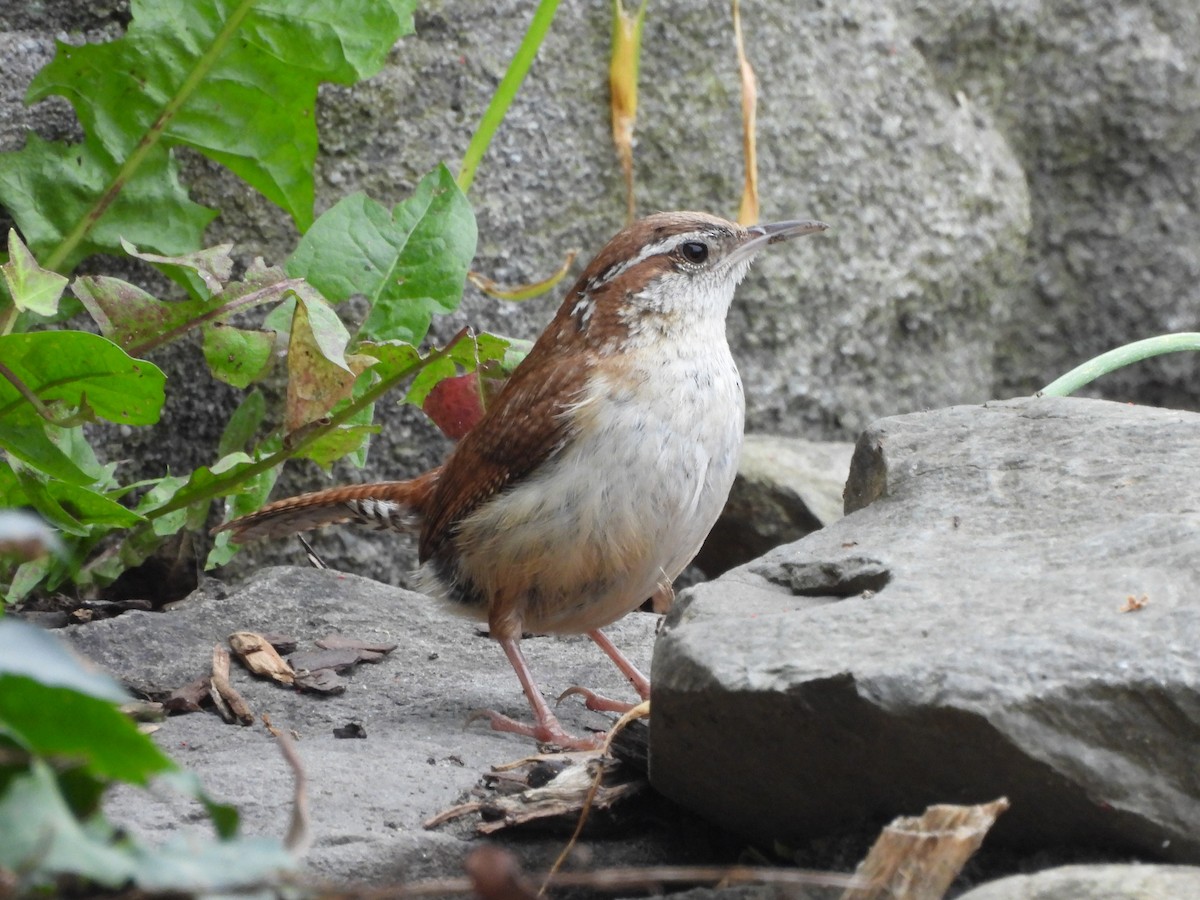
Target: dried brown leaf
{"type": "Point", "coordinates": [260, 657]}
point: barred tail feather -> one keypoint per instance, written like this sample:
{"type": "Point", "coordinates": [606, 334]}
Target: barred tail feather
{"type": "Point", "coordinates": [392, 505]}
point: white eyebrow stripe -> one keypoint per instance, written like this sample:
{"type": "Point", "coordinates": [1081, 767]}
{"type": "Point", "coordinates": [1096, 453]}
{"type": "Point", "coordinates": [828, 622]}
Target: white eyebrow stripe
{"type": "Point", "coordinates": [648, 251]}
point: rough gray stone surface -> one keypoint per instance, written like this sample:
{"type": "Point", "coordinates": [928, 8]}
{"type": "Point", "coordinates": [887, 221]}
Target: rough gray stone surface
{"type": "Point", "coordinates": [960, 638]}
{"type": "Point", "coordinates": [1100, 103]}
{"type": "Point", "coordinates": [894, 309]}
{"type": "Point", "coordinates": [1116, 882]}
{"type": "Point", "coordinates": [369, 797]}
{"type": "Point", "coordinates": [785, 488]}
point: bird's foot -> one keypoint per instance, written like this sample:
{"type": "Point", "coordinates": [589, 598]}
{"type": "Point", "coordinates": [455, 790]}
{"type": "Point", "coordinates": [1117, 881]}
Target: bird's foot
{"type": "Point", "coordinates": [596, 702]}
{"type": "Point", "coordinates": [545, 731]}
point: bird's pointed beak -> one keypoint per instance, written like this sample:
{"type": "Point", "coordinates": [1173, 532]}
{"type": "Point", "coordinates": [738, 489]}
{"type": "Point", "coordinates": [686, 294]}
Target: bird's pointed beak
{"type": "Point", "coordinates": [759, 236]}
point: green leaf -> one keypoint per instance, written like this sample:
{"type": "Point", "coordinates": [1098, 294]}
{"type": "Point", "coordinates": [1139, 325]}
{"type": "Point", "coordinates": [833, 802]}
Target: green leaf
{"type": "Point", "coordinates": [409, 262]}
{"type": "Point", "coordinates": [253, 494]}
{"type": "Point", "coordinates": [40, 836]}
{"type": "Point", "coordinates": [340, 442]}
{"type": "Point", "coordinates": [50, 189]}
{"type": "Point", "coordinates": [236, 81]}
{"type": "Point", "coordinates": [31, 652]}
{"type": "Point", "coordinates": [32, 288]}
{"type": "Point", "coordinates": [82, 371]}
{"type": "Point", "coordinates": [467, 355]}
{"type": "Point", "coordinates": [71, 507]}
{"type": "Point", "coordinates": [31, 444]}
{"type": "Point", "coordinates": [238, 356]}
{"type": "Point", "coordinates": [28, 576]}
{"type": "Point", "coordinates": [243, 425]}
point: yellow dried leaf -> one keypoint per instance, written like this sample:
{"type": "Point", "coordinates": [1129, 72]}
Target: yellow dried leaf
{"type": "Point", "coordinates": [523, 291]}
{"type": "Point", "coordinates": [748, 212]}
{"type": "Point", "coordinates": [623, 84]}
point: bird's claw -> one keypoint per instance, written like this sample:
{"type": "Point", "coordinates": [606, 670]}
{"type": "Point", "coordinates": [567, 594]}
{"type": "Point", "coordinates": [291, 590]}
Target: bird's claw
{"type": "Point", "coordinates": [546, 732]}
{"type": "Point", "coordinates": [594, 701]}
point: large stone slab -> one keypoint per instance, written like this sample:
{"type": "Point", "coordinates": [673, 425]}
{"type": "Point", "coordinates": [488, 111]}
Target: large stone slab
{"type": "Point", "coordinates": [367, 798]}
{"type": "Point", "coordinates": [971, 631]}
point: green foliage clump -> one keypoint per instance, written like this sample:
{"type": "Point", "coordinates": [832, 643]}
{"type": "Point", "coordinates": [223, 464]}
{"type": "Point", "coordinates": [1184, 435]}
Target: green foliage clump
{"type": "Point", "coordinates": [238, 83]}
{"type": "Point", "coordinates": [63, 743]}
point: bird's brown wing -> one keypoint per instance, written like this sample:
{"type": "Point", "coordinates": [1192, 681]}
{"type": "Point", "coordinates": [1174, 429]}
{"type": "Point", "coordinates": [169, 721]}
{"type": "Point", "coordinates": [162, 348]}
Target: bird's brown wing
{"type": "Point", "coordinates": [526, 424]}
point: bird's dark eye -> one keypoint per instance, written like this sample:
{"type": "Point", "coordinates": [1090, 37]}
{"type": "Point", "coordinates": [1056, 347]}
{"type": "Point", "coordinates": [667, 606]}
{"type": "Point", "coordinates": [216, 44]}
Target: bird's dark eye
{"type": "Point", "coordinates": [694, 251]}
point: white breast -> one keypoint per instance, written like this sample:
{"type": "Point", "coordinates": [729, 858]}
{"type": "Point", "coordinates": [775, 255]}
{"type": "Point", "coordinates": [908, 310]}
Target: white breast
{"type": "Point", "coordinates": [625, 506]}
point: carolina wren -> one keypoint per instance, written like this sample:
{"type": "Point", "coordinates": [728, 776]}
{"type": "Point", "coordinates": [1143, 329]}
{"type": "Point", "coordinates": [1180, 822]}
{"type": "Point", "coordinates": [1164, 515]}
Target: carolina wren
{"type": "Point", "coordinates": [595, 475]}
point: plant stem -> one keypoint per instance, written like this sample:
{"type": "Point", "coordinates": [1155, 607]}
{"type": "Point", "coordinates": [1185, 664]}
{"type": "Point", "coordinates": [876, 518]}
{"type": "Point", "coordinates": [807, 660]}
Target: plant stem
{"type": "Point", "coordinates": [1118, 358]}
{"type": "Point", "coordinates": [505, 92]}
{"type": "Point", "coordinates": [221, 485]}
{"type": "Point", "coordinates": [149, 140]}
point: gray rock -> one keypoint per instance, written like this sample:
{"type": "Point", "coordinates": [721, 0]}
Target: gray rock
{"type": "Point", "coordinates": [960, 638]}
{"type": "Point", "coordinates": [1099, 104]}
{"type": "Point", "coordinates": [1113, 882]}
{"type": "Point", "coordinates": [368, 798]}
{"type": "Point", "coordinates": [894, 309]}
{"type": "Point", "coordinates": [785, 488]}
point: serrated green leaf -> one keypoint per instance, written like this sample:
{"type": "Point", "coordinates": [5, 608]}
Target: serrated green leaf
{"type": "Point", "coordinates": [237, 82]}
{"type": "Point", "coordinates": [238, 356]}
{"type": "Point", "coordinates": [409, 262]}
{"type": "Point", "coordinates": [50, 187]}
{"type": "Point", "coordinates": [81, 371]}
{"type": "Point", "coordinates": [30, 287]}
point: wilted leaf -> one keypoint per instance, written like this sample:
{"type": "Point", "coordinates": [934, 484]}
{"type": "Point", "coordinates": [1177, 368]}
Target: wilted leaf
{"type": "Point", "coordinates": [318, 375]}
{"type": "Point", "coordinates": [131, 317]}
{"type": "Point", "coordinates": [211, 267]}
{"type": "Point", "coordinates": [409, 262]}
{"type": "Point", "coordinates": [31, 288]}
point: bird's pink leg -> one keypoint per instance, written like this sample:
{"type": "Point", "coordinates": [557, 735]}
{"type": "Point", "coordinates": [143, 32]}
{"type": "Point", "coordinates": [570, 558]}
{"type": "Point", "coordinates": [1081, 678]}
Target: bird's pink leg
{"type": "Point", "coordinates": [546, 728]}
{"type": "Point", "coordinates": [594, 701]}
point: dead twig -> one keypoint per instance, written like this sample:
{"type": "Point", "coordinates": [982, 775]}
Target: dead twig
{"type": "Point", "coordinates": [229, 698]}
{"type": "Point", "coordinates": [917, 857]}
